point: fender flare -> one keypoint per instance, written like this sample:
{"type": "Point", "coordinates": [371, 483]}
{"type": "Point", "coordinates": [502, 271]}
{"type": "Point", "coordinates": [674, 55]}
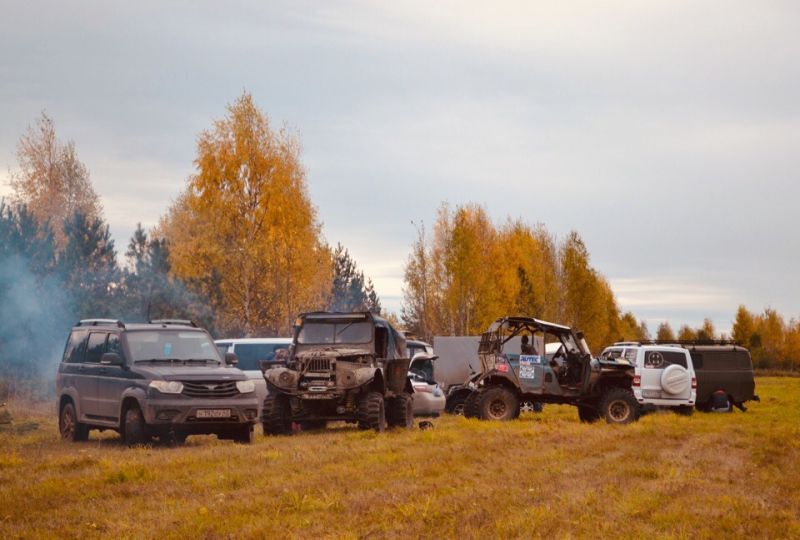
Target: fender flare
{"type": "Point", "coordinates": [72, 395]}
{"type": "Point", "coordinates": [137, 394]}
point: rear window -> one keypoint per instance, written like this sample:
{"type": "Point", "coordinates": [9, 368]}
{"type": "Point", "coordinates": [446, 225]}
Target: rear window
{"type": "Point", "coordinates": [251, 354]}
{"type": "Point", "coordinates": [662, 359]}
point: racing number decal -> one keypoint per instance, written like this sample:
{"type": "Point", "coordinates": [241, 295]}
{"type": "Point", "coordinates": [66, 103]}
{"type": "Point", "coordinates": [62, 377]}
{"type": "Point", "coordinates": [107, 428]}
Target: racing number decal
{"type": "Point", "coordinates": [527, 365]}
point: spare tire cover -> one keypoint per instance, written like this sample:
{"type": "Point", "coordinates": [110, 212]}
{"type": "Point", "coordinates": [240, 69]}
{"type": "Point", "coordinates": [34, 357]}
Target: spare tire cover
{"type": "Point", "coordinates": [675, 379]}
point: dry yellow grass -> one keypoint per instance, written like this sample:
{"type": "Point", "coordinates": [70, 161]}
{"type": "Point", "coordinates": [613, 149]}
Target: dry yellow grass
{"type": "Point", "coordinates": [547, 475]}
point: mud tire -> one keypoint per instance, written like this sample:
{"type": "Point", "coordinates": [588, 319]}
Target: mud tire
{"type": "Point", "coordinates": [401, 411]}
{"type": "Point", "coordinates": [245, 435]}
{"type": "Point", "coordinates": [276, 418]}
{"type": "Point", "coordinates": [471, 403]}
{"type": "Point", "coordinates": [588, 414]}
{"type": "Point", "coordinates": [372, 412]}
{"type": "Point", "coordinates": [456, 405]}
{"type": "Point", "coordinates": [135, 432]}
{"type": "Point", "coordinates": [498, 403]}
{"type": "Point", "coordinates": [619, 406]}
{"type": "Point", "coordinates": [68, 425]}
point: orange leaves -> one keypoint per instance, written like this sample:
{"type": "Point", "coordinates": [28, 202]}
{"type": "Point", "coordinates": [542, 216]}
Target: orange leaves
{"type": "Point", "coordinates": [245, 227]}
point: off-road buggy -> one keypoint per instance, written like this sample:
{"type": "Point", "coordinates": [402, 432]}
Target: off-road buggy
{"type": "Point", "coordinates": [340, 366]}
{"type": "Point", "coordinates": [516, 366]}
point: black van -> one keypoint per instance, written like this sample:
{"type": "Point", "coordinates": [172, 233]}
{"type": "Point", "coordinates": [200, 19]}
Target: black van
{"type": "Point", "coordinates": [724, 376]}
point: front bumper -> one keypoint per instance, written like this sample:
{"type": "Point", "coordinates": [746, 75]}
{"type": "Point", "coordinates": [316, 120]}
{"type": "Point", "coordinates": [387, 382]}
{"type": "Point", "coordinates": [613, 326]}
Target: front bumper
{"type": "Point", "coordinates": [182, 414]}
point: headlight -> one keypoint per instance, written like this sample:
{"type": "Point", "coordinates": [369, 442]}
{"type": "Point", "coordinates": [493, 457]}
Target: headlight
{"type": "Point", "coordinates": [167, 387]}
{"type": "Point", "coordinates": [246, 387]}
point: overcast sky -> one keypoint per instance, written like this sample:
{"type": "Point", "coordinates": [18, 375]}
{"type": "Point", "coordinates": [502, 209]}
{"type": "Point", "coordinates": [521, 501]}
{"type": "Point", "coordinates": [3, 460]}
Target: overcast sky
{"type": "Point", "coordinates": [666, 133]}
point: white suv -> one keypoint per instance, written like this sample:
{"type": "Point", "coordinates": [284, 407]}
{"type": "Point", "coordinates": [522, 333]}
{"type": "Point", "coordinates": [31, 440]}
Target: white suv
{"type": "Point", "coordinates": [663, 375]}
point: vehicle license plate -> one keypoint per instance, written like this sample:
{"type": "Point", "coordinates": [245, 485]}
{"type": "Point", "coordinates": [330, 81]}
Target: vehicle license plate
{"type": "Point", "coordinates": [651, 393]}
{"type": "Point", "coordinates": [214, 413]}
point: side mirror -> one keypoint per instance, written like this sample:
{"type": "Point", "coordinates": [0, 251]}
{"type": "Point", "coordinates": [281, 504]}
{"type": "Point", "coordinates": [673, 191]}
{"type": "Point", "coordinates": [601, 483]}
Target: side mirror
{"type": "Point", "coordinates": [231, 359]}
{"type": "Point", "coordinates": [111, 359]}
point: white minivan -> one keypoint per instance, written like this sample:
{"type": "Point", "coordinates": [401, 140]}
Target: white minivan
{"type": "Point", "coordinates": [664, 375]}
{"type": "Point", "coordinates": [250, 352]}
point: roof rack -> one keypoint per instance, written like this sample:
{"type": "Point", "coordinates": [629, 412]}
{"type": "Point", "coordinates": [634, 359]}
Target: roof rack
{"type": "Point", "coordinates": [679, 342]}
{"type": "Point", "coordinates": [101, 322]}
{"type": "Point", "coordinates": [180, 322]}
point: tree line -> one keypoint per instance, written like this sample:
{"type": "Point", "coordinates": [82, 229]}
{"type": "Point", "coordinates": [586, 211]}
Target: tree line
{"type": "Point", "coordinates": [241, 252]}
{"type": "Point", "coordinates": [467, 271]}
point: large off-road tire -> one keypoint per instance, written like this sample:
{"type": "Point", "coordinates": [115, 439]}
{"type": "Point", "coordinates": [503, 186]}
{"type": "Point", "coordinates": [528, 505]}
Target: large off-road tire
{"type": "Point", "coordinates": [455, 405]}
{"type": "Point", "coordinates": [313, 425]}
{"type": "Point", "coordinates": [135, 429]}
{"type": "Point", "coordinates": [588, 414]}
{"type": "Point", "coordinates": [276, 414]}
{"type": "Point", "coordinates": [68, 425]}
{"type": "Point", "coordinates": [471, 403]}
{"type": "Point", "coordinates": [619, 406]}
{"type": "Point", "coordinates": [498, 403]}
{"type": "Point", "coordinates": [245, 434]}
{"type": "Point", "coordinates": [372, 412]}
{"type": "Point", "coordinates": [401, 411]}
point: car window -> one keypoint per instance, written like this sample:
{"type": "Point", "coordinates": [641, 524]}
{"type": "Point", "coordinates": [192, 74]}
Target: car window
{"type": "Point", "coordinates": [630, 355]}
{"type": "Point", "coordinates": [96, 347]}
{"type": "Point", "coordinates": [113, 345]}
{"type": "Point", "coordinates": [171, 345]}
{"type": "Point", "coordinates": [662, 359]}
{"type": "Point", "coordinates": [344, 332]}
{"type": "Point", "coordinates": [76, 347]}
{"type": "Point", "coordinates": [251, 354]}
{"type": "Point", "coordinates": [223, 347]}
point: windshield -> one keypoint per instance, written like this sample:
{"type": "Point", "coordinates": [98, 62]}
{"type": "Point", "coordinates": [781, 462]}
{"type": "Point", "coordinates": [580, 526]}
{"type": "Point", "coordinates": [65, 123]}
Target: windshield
{"type": "Point", "coordinates": [341, 332]}
{"type": "Point", "coordinates": [169, 345]}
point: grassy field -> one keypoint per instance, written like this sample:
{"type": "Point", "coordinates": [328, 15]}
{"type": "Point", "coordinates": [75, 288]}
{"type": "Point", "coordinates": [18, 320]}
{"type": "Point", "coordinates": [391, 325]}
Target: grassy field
{"type": "Point", "coordinates": [545, 475]}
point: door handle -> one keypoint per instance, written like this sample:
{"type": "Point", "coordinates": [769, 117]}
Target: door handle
{"type": "Point", "coordinates": [81, 368]}
{"type": "Point", "coordinates": [102, 370]}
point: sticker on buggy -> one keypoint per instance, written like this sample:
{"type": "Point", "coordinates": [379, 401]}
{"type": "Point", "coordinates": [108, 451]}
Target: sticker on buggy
{"type": "Point", "coordinates": [527, 366]}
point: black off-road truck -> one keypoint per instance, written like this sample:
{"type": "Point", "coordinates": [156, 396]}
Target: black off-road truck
{"type": "Point", "coordinates": [340, 366]}
{"type": "Point", "coordinates": [516, 368]}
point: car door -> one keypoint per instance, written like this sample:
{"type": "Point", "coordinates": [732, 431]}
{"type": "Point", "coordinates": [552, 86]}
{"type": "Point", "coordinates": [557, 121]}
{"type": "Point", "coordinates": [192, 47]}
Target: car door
{"type": "Point", "coordinates": [90, 371]}
{"type": "Point", "coordinates": [111, 382]}
{"type": "Point", "coordinates": [529, 364]}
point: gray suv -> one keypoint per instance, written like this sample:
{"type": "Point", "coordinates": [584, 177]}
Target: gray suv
{"type": "Point", "coordinates": [164, 379]}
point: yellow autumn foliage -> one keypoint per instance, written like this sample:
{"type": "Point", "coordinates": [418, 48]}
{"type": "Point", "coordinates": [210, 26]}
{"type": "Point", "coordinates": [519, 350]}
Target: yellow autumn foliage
{"type": "Point", "coordinates": [245, 231]}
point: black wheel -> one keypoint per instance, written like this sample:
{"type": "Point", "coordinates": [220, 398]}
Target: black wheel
{"type": "Point", "coordinates": [276, 415]}
{"type": "Point", "coordinates": [684, 410]}
{"type": "Point", "coordinates": [456, 404]}
{"type": "Point", "coordinates": [471, 403]}
{"type": "Point", "coordinates": [401, 411]}
{"type": "Point", "coordinates": [312, 425]}
{"type": "Point", "coordinates": [245, 434]}
{"type": "Point", "coordinates": [372, 412]}
{"type": "Point", "coordinates": [588, 414]}
{"type": "Point", "coordinates": [720, 402]}
{"type": "Point", "coordinates": [135, 431]}
{"type": "Point", "coordinates": [69, 427]}
{"type": "Point", "coordinates": [619, 406]}
{"type": "Point", "coordinates": [497, 403]}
